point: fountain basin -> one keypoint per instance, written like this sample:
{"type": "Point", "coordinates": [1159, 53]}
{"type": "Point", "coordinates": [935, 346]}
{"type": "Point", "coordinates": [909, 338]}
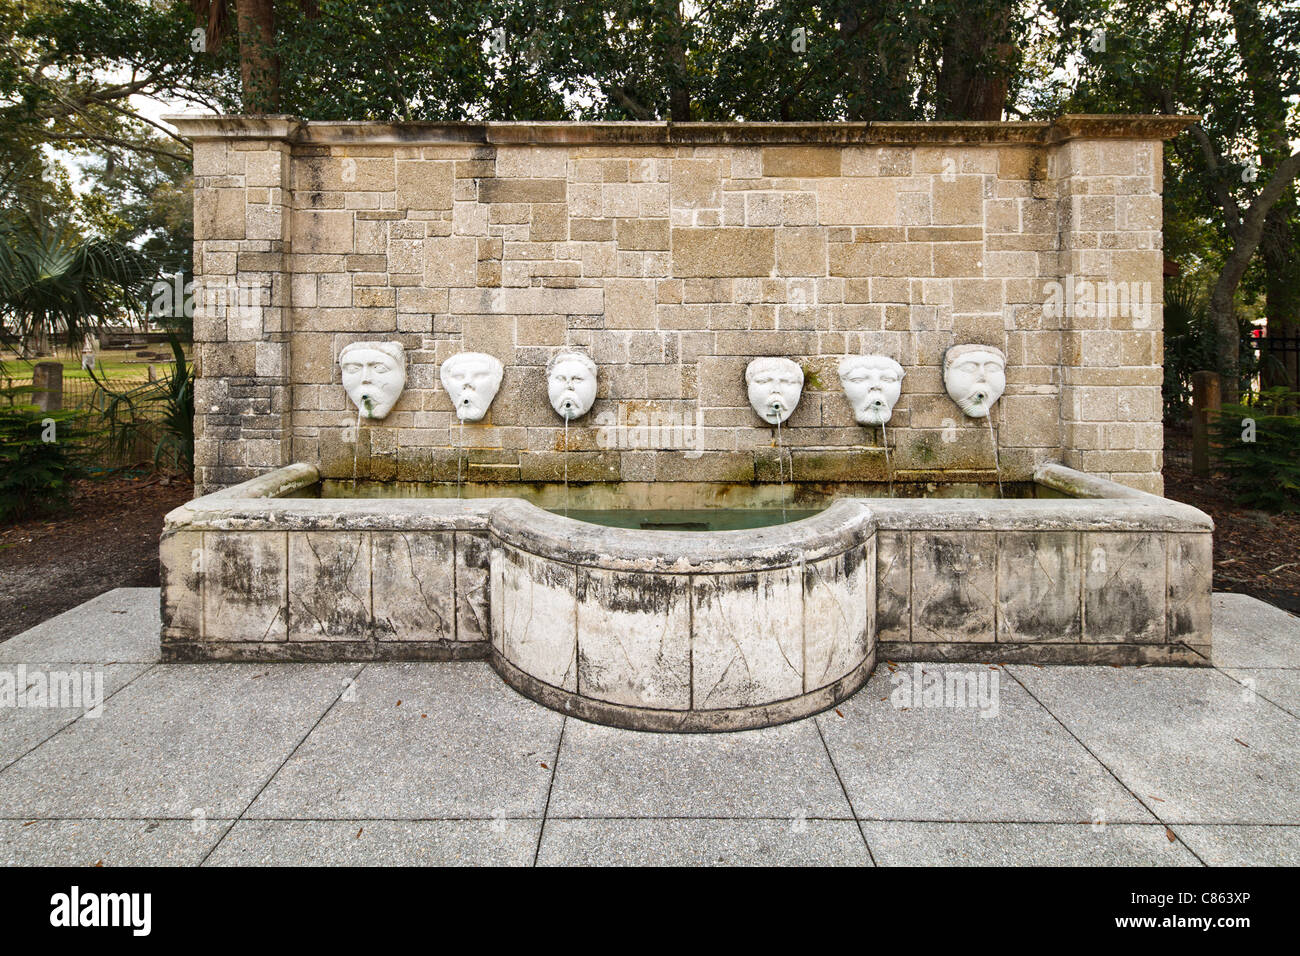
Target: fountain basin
{"type": "Point", "coordinates": [688, 630]}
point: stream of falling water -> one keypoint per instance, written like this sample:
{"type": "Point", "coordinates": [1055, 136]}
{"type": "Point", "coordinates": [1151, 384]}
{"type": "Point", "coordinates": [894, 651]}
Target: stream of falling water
{"type": "Point", "coordinates": [889, 469]}
{"type": "Point", "coordinates": [460, 443]}
{"type": "Point", "coordinates": [780, 469]}
{"type": "Point", "coordinates": [993, 440]}
{"type": "Point", "coordinates": [356, 444]}
{"type": "Point", "coordinates": [566, 466]}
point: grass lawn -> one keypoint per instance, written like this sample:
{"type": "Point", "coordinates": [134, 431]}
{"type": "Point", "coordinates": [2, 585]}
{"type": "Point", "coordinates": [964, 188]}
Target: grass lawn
{"type": "Point", "coordinates": [115, 364]}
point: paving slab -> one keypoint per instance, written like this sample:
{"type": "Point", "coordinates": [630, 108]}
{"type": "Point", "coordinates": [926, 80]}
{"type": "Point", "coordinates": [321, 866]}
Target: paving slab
{"type": "Point", "coordinates": [646, 842]}
{"type": "Point", "coordinates": [1281, 685]}
{"type": "Point", "coordinates": [181, 738]}
{"type": "Point", "coordinates": [1191, 742]}
{"type": "Point", "coordinates": [951, 763]}
{"type": "Point", "coordinates": [433, 740]}
{"type": "Point", "coordinates": [780, 772]}
{"type": "Point", "coordinates": [378, 843]}
{"type": "Point", "coordinates": [1243, 845]}
{"type": "Point", "coordinates": [1024, 844]}
{"type": "Point", "coordinates": [1251, 633]}
{"type": "Point", "coordinates": [22, 728]}
{"type": "Point", "coordinates": [120, 626]}
{"type": "Point", "coordinates": [107, 842]}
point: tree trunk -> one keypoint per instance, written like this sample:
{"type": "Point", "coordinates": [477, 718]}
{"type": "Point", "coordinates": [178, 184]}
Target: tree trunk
{"type": "Point", "coordinates": [679, 93]}
{"type": "Point", "coordinates": [978, 58]}
{"type": "Point", "coordinates": [259, 67]}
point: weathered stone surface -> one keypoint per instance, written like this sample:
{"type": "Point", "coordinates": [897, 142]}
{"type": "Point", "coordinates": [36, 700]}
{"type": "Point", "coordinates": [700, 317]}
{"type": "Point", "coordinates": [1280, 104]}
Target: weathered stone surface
{"type": "Point", "coordinates": [1190, 568]}
{"type": "Point", "coordinates": [634, 638]}
{"type": "Point", "coordinates": [1124, 587]}
{"type": "Point", "coordinates": [723, 252]}
{"type": "Point", "coordinates": [245, 584]}
{"type": "Point", "coordinates": [473, 596]}
{"type": "Point", "coordinates": [539, 616]}
{"type": "Point", "coordinates": [1039, 587]}
{"type": "Point", "coordinates": [953, 586]}
{"type": "Point", "coordinates": [893, 585]}
{"type": "Point", "coordinates": [748, 638]}
{"type": "Point", "coordinates": [329, 586]}
{"type": "Point", "coordinates": [838, 601]}
{"type": "Point", "coordinates": [413, 586]}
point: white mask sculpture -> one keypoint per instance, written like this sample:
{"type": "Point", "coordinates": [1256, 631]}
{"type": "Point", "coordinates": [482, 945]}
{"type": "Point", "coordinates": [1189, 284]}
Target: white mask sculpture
{"type": "Point", "coordinates": [774, 388]}
{"type": "Point", "coordinates": [374, 374]}
{"type": "Point", "coordinates": [571, 384]}
{"type": "Point", "coordinates": [975, 377]}
{"type": "Point", "coordinates": [872, 384]}
{"type": "Point", "coordinates": [471, 380]}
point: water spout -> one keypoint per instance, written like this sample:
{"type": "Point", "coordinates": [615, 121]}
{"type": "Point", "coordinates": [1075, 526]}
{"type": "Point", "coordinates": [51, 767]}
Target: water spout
{"type": "Point", "coordinates": [889, 468]}
{"type": "Point", "coordinates": [780, 469]}
{"type": "Point", "coordinates": [356, 444]}
{"type": "Point", "coordinates": [566, 461]}
{"type": "Point", "coordinates": [460, 443]}
{"type": "Point", "coordinates": [997, 464]}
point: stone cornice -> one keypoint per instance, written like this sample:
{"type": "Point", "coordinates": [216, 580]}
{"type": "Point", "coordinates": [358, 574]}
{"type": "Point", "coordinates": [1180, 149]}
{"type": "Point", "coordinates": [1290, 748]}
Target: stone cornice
{"type": "Point", "coordinates": [940, 133]}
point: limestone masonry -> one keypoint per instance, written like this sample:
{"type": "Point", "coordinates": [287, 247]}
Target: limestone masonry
{"type": "Point", "coordinates": [674, 255]}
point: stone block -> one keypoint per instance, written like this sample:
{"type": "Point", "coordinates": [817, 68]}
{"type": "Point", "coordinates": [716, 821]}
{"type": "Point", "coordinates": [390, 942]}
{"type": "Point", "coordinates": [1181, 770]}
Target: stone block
{"type": "Point", "coordinates": [748, 638]}
{"type": "Point", "coordinates": [801, 161]}
{"type": "Point", "coordinates": [473, 597]}
{"type": "Point", "coordinates": [413, 586]}
{"type": "Point", "coordinates": [893, 585]}
{"type": "Point", "coordinates": [953, 586]}
{"type": "Point", "coordinates": [634, 644]}
{"type": "Point", "coordinates": [245, 583]}
{"type": "Point", "coordinates": [538, 615]}
{"type": "Point", "coordinates": [329, 586]}
{"type": "Point", "coordinates": [1039, 587]}
{"type": "Point", "coordinates": [1124, 588]}
{"type": "Point", "coordinates": [838, 598]}
{"type": "Point", "coordinates": [424, 185]}
{"type": "Point", "coordinates": [723, 252]}
{"type": "Point", "coordinates": [1190, 573]}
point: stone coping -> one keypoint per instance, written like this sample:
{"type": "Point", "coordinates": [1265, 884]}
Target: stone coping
{"type": "Point", "coordinates": [844, 525]}
{"type": "Point", "coordinates": [317, 132]}
{"type": "Point", "coordinates": [258, 505]}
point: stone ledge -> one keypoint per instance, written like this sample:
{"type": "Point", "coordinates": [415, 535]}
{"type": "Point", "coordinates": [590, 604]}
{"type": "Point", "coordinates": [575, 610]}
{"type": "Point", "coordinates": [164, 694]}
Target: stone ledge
{"type": "Point", "coordinates": [1044, 653]}
{"type": "Point", "coordinates": [306, 652]}
{"type": "Point", "coordinates": [327, 133]}
{"type": "Point", "coordinates": [684, 721]}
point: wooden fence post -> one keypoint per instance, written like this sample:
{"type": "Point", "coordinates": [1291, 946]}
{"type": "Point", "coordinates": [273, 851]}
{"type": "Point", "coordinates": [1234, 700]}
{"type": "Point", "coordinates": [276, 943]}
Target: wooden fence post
{"type": "Point", "coordinates": [1206, 402]}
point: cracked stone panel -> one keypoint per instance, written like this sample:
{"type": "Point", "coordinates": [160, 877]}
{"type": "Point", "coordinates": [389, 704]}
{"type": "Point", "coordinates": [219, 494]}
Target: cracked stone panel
{"type": "Point", "coordinates": [539, 616]}
{"type": "Point", "coordinates": [838, 597]}
{"type": "Point", "coordinates": [245, 586]}
{"type": "Point", "coordinates": [496, 565]}
{"type": "Point", "coordinates": [1040, 583]}
{"type": "Point", "coordinates": [180, 563]}
{"type": "Point", "coordinates": [634, 642]}
{"type": "Point", "coordinates": [1124, 588]}
{"type": "Point", "coordinates": [329, 586]}
{"type": "Point", "coordinates": [953, 586]}
{"type": "Point", "coordinates": [748, 638]}
{"type": "Point", "coordinates": [473, 610]}
{"type": "Point", "coordinates": [413, 586]}
{"type": "Point", "coordinates": [893, 586]}
{"type": "Point", "coordinates": [1190, 569]}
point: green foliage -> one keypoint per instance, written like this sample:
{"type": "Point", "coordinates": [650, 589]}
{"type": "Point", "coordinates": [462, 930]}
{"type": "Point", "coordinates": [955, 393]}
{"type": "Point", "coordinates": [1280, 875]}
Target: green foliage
{"type": "Point", "coordinates": [1260, 450]}
{"type": "Point", "coordinates": [160, 412]}
{"type": "Point", "coordinates": [39, 456]}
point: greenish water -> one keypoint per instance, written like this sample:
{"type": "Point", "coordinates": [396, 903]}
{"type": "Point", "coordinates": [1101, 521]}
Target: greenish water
{"type": "Point", "coordinates": [697, 519]}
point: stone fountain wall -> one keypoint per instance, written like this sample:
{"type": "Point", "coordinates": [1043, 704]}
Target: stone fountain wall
{"type": "Point", "coordinates": [674, 254]}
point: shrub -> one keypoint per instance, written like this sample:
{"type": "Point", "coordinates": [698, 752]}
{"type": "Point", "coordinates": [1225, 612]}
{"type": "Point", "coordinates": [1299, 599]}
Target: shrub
{"type": "Point", "coordinates": [1260, 450]}
{"type": "Point", "coordinates": [38, 457]}
{"type": "Point", "coordinates": [163, 411]}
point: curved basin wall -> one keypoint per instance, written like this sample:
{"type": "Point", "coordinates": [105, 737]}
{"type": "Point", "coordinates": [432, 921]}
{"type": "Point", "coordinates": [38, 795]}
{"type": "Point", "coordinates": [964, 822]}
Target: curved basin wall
{"type": "Point", "coordinates": [683, 631]}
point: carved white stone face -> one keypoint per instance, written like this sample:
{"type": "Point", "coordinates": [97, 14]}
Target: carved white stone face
{"type": "Point", "coordinates": [571, 384]}
{"type": "Point", "coordinates": [374, 374]}
{"type": "Point", "coordinates": [975, 377]}
{"type": "Point", "coordinates": [872, 384]}
{"type": "Point", "coordinates": [775, 385]}
{"type": "Point", "coordinates": [471, 380]}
